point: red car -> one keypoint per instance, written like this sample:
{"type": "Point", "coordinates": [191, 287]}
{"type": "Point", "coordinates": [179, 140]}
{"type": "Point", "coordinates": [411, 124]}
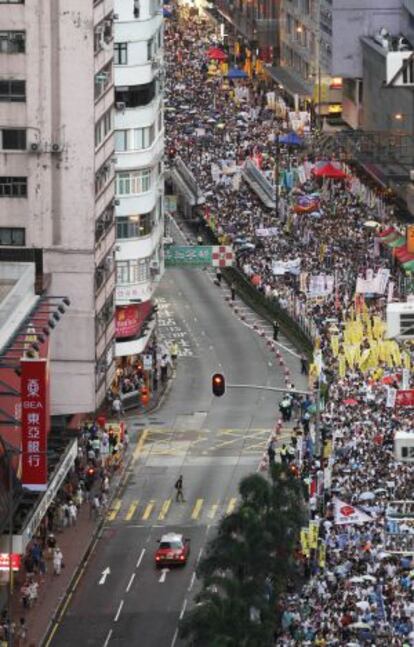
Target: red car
{"type": "Point", "coordinates": [173, 549]}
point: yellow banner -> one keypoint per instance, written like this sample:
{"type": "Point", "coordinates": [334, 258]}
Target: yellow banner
{"type": "Point", "coordinates": [322, 554]}
{"type": "Point", "coordinates": [304, 541]}
{"type": "Point", "coordinates": [313, 534]}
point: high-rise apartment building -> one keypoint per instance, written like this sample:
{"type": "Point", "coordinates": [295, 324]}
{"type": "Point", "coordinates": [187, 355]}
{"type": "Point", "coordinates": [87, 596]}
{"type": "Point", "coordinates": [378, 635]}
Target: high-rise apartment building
{"type": "Point", "coordinates": [57, 177]}
{"type": "Point", "coordinates": [139, 148]}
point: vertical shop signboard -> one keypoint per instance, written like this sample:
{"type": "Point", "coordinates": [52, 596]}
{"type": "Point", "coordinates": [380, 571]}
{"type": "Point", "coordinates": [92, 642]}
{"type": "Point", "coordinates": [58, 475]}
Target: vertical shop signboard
{"type": "Point", "coordinates": [35, 423]}
{"type": "Point", "coordinates": [410, 239]}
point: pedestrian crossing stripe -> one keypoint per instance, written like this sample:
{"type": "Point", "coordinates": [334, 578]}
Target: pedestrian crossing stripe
{"type": "Point", "coordinates": [131, 510]}
{"type": "Point", "coordinates": [148, 510]}
{"type": "Point", "coordinates": [197, 509]}
{"type": "Point", "coordinates": [162, 510]}
{"type": "Point", "coordinates": [115, 508]}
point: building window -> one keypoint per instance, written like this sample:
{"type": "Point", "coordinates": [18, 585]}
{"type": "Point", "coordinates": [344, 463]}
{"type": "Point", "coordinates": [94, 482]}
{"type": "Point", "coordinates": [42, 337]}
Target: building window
{"type": "Point", "coordinates": [133, 182]}
{"type": "Point", "coordinates": [13, 139]}
{"type": "Point", "coordinates": [13, 91]}
{"type": "Point", "coordinates": [12, 42]}
{"type": "Point", "coordinates": [103, 80]}
{"type": "Point", "coordinates": [13, 187]}
{"type": "Point", "coordinates": [121, 140]}
{"type": "Point", "coordinates": [135, 96]}
{"type": "Point", "coordinates": [122, 272]}
{"type": "Point", "coordinates": [134, 226]}
{"type": "Point", "coordinates": [102, 177]}
{"type": "Point", "coordinates": [143, 137]}
{"type": "Point", "coordinates": [12, 236]}
{"type": "Point", "coordinates": [120, 53]}
{"type": "Point", "coordinates": [103, 127]}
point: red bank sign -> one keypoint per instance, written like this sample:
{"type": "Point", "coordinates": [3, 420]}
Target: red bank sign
{"type": "Point", "coordinates": [5, 561]}
{"type": "Point", "coordinates": [35, 422]}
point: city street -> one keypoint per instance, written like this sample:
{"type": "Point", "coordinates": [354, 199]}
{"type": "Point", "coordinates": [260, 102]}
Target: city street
{"type": "Point", "coordinates": [212, 442]}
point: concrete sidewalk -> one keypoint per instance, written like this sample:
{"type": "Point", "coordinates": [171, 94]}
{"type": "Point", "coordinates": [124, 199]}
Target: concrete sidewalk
{"type": "Point", "coordinates": [74, 543]}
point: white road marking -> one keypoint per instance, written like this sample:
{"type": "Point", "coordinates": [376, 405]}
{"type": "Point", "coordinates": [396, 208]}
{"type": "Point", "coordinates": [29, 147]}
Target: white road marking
{"type": "Point", "coordinates": [118, 613]}
{"type": "Point", "coordinates": [130, 582]}
{"type": "Point", "coordinates": [174, 640]}
{"type": "Point", "coordinates": [163, 575]}
{"type": "Point", "coordinates": [183, 609]}
{"type": "Point", "coordinates": [108, 638]}
{"type": "Point", "coordinates": [140, 557]}
{"type": "Point", "coordinates": [199, 556]}
{"type": "Point", "coordinates": [104, 575]}
{"type": "Point", "coordinates": [192, 581]}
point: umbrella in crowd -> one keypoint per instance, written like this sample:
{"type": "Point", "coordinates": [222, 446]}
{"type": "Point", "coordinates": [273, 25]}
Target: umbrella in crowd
{"type": "Point", "coordinates": [328, 170]}
{"type": "Point", "coordinates": [236, 73]}
{"type": "Point", "coordinates": [291, 139]}
{"type": "Point", "coordinates": [216, 54]}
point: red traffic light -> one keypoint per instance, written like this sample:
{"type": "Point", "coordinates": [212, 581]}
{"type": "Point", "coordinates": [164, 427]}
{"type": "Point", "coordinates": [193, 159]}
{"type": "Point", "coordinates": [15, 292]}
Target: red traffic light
{"type": "Point", "coordinates": [218, 384]}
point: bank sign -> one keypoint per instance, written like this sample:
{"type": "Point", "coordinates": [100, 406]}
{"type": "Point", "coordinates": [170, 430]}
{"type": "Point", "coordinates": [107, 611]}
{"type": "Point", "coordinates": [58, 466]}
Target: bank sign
{"type": "Point", "coordinates": [35, 423]}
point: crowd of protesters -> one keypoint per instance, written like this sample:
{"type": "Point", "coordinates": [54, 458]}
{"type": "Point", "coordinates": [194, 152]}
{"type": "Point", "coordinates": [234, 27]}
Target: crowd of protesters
{"type": "Point", "coordinates": [362, 592]}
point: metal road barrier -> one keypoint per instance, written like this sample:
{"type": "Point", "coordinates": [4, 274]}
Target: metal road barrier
{"type": "Point", "coordinates": [185, 181]}
{"type": "Point", "coordinates": [259, 184]}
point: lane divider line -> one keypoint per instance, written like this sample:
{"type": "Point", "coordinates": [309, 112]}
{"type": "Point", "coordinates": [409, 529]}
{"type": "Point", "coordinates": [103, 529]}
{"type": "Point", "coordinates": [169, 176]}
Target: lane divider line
{"type": "Point", "coordinates": [174, 640]}
{"type": "Point", "coordinates": [137, 565]}
{"type": "Point", "coordinates": [118, 613]}
{"type": "Point", "coordinates": [108, 638]}
{"type": "Point", "coordinates": [183, 609]}
{"type": "Point", "coordinates": [192, 581]}
{"type": "Point", "coordinates": [130, 582]}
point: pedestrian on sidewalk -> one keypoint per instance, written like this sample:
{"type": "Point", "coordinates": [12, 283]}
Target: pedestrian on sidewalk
{"type": "Point", "coordinates": [94, 507]}
{"type": "Point", "coordinates": [271, 452]}
{"type": "Point", "coordinates": [304, 365]}
{"type": "Point", "coordinates": [219, 276]}
{"type": "Point", "coordinates": [73, 513]}
{"type": "Point", "coordinates": [21, 633]}
{"type": "Point", "coordinates": [233, 292]}
{"type": "Point", "coordinates": [179, 487]}
{"type": "Point", "coordinates": [275, 331]}
{"type": "Point", "coordinates": [164, 368]}
{"type": "Point", "coordinates": [57, 561]}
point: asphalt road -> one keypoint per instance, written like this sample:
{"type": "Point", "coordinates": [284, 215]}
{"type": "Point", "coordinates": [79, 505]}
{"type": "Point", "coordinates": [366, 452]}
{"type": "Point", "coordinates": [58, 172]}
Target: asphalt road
{"type": "Point", "coordinates": [213, 442]}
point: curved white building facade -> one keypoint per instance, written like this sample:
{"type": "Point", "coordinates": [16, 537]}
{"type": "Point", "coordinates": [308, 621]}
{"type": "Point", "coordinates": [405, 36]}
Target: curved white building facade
{"type": "Point", "coordinates": [139, 149]}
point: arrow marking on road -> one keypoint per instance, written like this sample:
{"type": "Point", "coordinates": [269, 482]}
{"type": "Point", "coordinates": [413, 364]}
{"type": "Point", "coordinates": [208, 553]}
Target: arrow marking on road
{"type": "Point", "coordinates": [104, 575]}
{"type": "Point", "coordinates": [164, 574]}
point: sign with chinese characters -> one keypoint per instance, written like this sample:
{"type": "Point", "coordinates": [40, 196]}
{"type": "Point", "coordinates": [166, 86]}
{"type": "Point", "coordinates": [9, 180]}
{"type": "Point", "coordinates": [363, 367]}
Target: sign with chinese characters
{"type": "Point", "coordinates": [199, 255]}
{"type": "Point", "coordinates": [35, 422]}
{"type": "Point", "coordinates": [5, 561]}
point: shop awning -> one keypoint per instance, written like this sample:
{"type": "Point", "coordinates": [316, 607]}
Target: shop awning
{"type": "Point", "coordinates": [21, 540]}
{"type": "Point", "coordinates": [290, 83]}
{"type": "Point", "coordinates": [134, 346]}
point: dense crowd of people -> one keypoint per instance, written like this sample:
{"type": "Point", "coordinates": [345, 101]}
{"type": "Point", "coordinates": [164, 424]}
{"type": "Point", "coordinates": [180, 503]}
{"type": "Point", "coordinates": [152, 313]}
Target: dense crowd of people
{"type": "Point", "coordinates": [362, 591]}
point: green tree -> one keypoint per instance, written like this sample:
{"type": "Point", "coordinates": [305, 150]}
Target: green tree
{"type": "Point", "coordinates": [248, 564]}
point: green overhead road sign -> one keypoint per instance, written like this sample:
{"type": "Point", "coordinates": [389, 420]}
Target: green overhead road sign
{"type": "Point", "coordinates": [188, 255]}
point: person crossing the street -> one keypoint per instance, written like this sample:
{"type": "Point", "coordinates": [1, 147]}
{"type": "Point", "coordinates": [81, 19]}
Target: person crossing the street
{"type": "Point", "coordinates": [179, 497]}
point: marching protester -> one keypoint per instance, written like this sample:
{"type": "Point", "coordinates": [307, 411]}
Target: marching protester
{"type": "Point", "coordinates": [324, 260]}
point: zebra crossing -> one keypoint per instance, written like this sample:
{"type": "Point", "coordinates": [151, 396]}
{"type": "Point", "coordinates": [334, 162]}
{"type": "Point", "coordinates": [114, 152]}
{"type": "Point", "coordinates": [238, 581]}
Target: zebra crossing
{"type": "Point", "coordinates": [153, 511]}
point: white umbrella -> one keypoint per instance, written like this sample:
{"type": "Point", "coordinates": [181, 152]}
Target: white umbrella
{"type": "Point", "coordinates": [359, 625]}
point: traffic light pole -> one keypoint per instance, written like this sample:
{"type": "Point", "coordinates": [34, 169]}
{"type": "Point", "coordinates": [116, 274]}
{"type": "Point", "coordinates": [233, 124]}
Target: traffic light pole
{"type": "Point", "coordinates": [316, 394]}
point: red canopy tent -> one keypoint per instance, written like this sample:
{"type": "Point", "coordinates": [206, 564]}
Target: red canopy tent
{"type": "Point", "coordinates": [386, 232]}
{"type": "Point", "coordinates": [217, 54]}
{"type": "Point", "coordinates": [329, 170]}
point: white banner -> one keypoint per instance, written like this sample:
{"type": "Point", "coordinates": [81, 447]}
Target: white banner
{"type": "Point", "coordinates": [391, 397]}
{"type": "Point", "coordinates": [405, 378]}
{"type": "Point", "coordinates": [265, 232]}
{"type": "Point", "coordinates": [344, 513]}
{"type": "Point", "coordinates": [283, 267]}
